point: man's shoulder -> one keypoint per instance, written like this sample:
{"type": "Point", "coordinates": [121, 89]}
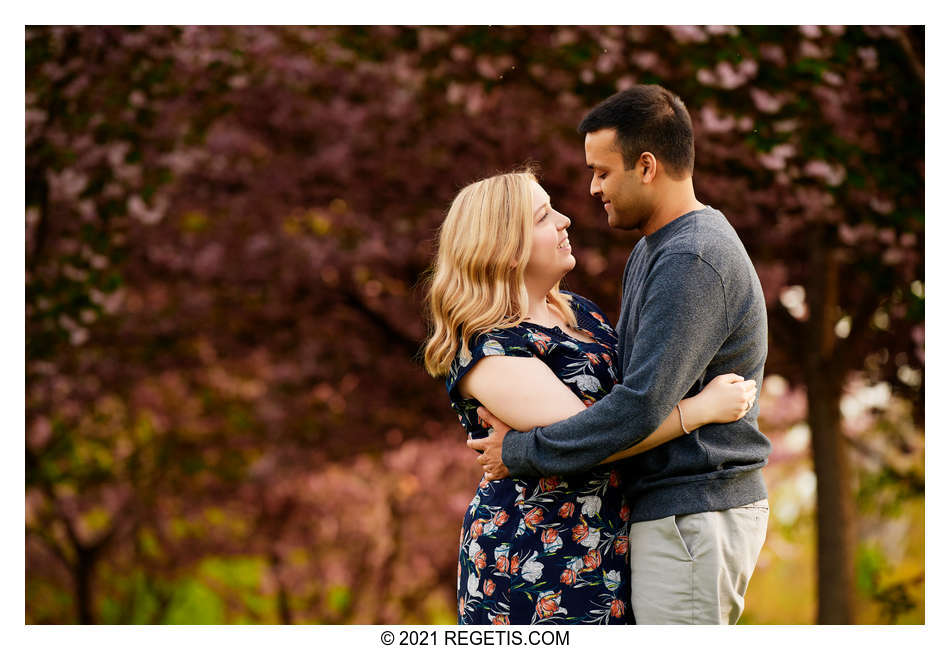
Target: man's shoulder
{"type": "Point", "coordinates": [708, 235]}
{"type": "Point", "coordinates": [705, 236]}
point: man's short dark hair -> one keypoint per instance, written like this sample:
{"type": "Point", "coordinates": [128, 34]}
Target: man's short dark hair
{"type": "Point", "coordinates": [647, 118]}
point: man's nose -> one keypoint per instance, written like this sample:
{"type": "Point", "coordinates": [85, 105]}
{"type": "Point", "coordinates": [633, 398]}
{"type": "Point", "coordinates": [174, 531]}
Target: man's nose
{"type": "Point", "coordinates": [594, 186]}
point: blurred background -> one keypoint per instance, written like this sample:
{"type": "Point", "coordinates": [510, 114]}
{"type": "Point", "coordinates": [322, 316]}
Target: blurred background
{"type": "Point", "coordinates": [226, 234]}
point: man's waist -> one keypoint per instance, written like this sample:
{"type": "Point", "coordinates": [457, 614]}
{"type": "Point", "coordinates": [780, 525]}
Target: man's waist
{"type": "Point", "coordinates": [661, 497]}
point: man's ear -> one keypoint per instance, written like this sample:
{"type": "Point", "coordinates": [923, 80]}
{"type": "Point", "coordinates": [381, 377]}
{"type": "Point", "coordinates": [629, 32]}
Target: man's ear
{"type": "Point", "coordinates": [649, 166]}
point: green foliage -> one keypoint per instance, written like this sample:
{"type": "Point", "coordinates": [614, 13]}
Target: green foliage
{"type": "Point", "coordinates": [194, 601]}
{"type": "Point", "coordinates": [894, 599]}
{"type": "Point", "coordinates": [338, 598]}
{"type": "Point", "coordinates": [871, 563]}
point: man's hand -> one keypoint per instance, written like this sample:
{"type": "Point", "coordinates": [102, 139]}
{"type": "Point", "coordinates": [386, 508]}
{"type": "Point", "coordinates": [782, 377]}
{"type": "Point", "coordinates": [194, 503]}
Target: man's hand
{"type": "Point", "coordinates": [490, 459]}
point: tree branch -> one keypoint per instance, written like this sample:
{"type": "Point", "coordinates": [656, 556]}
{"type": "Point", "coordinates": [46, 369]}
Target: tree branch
{"type": "Point", "coordinates": [915, 64]}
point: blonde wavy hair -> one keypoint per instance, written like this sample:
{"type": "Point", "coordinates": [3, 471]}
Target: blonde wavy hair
{"type": "Point", "coordinates": [477, 280]}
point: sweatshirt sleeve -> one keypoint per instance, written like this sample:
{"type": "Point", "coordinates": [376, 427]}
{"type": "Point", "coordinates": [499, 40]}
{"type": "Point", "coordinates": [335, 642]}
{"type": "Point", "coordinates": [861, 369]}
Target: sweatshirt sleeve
{"type": "Point", "coordinates": [682, 324]}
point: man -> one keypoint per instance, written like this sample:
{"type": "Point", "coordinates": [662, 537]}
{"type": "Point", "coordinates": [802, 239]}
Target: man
{"type": "Point", "coordinates": [692, 308]}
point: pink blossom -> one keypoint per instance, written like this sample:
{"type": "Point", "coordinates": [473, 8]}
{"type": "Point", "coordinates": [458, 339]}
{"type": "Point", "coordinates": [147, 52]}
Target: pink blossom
{"type": "Point", "coordinates": [720, 30]}
{"type": "Point", "coordinates": [833, 176]}
{"type": "Point", "coordinates": [777, 157]}
{"type": "Point", "coordinates": [773, 53]}
{"type": "Point", "coordinates": [688, 34]}
{"type": "Point", "coordinates": [646, 59]}
{"type": "Point", "coordinates": [138, 209]}
{"type": "Point", "coordinates": [764, 101]}
{"type": "Point", "coordinates": [887, 236]}
{"type": "Point", "coordinates": [729, 76]}
{"type": "Point", "coordinates": [66, 185]}
{"type": "Point", "coordinates": [811, 51]}
{"type": "Point", "coordinates": [882, 205]}
{"type": "Point", "coordinates": [847, 234]}
{"type": "Point", "coordinates": [714, 123]}
{"type": "Point", "coordinates": [893, 256]}
{"type": "Point", "coordinates": [706, 77]}
{"type": "Point", "coordinates": [868, 56]}
{"type": "Point", "coordinates": [832, 78]}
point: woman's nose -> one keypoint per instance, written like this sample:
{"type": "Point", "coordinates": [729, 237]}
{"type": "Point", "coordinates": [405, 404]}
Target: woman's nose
{"type": "Point", "coordinates": [565, 223]}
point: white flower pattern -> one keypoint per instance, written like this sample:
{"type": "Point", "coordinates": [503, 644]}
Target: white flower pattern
{"type": "Point", "coordinates": [590, 505]}
{"type": "Point", "coordinates": [587, 383]}
{"type": "Point", "coordinates": [531, 569]}
{"type": "Point", "coordinates": [473, 585]}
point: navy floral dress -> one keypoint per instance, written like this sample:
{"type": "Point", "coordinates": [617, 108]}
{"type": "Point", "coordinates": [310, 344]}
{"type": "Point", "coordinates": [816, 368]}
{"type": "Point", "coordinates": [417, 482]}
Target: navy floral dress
{"type": "Point", "coordinates": [550, 550]}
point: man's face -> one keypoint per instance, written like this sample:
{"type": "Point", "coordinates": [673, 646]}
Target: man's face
{"type": "Point", "coordinates": [625, 196]}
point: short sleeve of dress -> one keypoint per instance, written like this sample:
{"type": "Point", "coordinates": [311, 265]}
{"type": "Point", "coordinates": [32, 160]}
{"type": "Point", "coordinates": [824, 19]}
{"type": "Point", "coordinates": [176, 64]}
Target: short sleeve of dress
{"type": "Point", "coordinates": [497, 342]}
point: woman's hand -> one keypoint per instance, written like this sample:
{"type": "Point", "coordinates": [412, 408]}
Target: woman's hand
{"type": "Point", "coordinates": [726, 398]}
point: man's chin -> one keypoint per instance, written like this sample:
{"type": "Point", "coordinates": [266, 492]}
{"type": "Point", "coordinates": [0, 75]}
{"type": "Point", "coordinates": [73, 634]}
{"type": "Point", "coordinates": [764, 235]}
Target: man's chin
{"type": "Point", "coordinates": [615, 221]}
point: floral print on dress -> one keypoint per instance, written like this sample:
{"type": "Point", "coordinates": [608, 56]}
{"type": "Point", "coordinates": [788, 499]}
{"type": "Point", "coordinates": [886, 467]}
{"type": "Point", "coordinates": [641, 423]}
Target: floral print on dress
{"type": "Point", "coordinates": [551, 550]}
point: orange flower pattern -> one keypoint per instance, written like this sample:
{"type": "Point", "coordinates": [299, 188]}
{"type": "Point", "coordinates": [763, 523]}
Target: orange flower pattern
{"type": "Point", "coordinates": [580, 532]}
{"type": "Point", "coordinates": [548, 484]}
{"type": "Point", "coordinates": [592, 560]}
{"type": "Point", "coordinates": [550, 550]}
{"type": "Point", "coordinates": [549, 605]}
{"type": "Point", "coordinates": [533, 518]}
{"type": "Point", "coordinates": [617, 608]}
{"type": "Point", "coordinates": [621, 545]}
{"type": "Point", "coordinates": [480, 561]}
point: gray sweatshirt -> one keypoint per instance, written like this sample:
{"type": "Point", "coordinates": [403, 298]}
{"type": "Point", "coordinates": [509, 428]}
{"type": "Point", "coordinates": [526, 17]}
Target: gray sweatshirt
{"type": "Point", "coordinates": [692, 309]}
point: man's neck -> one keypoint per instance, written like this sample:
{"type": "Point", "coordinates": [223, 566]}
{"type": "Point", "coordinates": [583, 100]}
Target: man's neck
{"type": "Point", "coordinates": [678, 200]}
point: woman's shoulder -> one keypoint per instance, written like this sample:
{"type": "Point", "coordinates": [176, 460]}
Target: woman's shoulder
{"type": "Point", "coordinates": [499, 341]}
{"type": "Point", "coordinates": [508, 341]}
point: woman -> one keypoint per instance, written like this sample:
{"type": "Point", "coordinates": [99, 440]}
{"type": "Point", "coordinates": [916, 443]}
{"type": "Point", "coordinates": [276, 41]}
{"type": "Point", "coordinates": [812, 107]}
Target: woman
{"type": "Point", "coordinates": [504, 336]}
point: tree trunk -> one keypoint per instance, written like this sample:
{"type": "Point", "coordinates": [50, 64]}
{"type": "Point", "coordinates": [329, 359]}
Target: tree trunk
{"type": "Point", "coordinates": [283, 600]}
{"type": "Point", "coordinates": [85, 564]}
{"type": "Point", "coordinates": [835, 502]}
{"type": "Point", "coordinates": [835, 511]}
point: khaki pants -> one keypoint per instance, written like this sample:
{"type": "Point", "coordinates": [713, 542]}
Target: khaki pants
{"type": "Point", "coordinates": [694, 569]}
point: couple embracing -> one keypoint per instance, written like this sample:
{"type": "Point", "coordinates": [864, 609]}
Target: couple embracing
{"type": "Point", "coordinates": [623, 466]}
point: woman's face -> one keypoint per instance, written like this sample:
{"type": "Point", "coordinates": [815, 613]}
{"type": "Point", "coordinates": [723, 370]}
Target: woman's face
{"type": "Point", "coordinates": [550, 249]}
